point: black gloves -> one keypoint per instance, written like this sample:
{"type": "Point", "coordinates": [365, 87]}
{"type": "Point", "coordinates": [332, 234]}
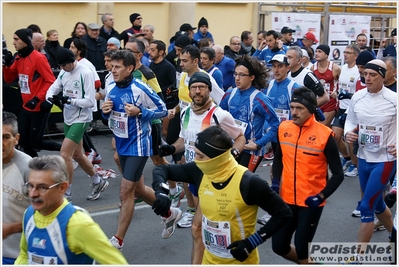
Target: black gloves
{"type": "Point", "coordinates": [390, 199]}
{"type": "Point", "coordinates": [314, 201]}
{"type": "Point", "coordinates": [344, 96]}
{"type": "Point", "coordinates": [7, 58]}
{"type": "Point", "coordinates": [60, 100]}
{"type": "Point", "coordinates": [276, 185]}
{"type": "Point", "coordinates": [31, 104]}
{"type": "Point", "coordinates": [241, 249]}
{"type": "Point", "coordinates": [161, 204]}
{"type": "Point", "coordinates": [46, 105]}
{"type": "Point", "coordinates": [166, 150]}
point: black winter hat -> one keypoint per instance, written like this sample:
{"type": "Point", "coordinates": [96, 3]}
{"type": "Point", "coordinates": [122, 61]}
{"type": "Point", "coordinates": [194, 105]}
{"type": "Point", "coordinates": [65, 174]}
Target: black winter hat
{"type": "Point", "coordinates": [324, 48]}
{"type": "Point", "coordinates": [364, 57]}
{"type": "Point", "coordinates": [25, 35]}
{"type": "Point", "coordinates": [182, 41]}
{"type": "Point", "coordinates": [202, 77]}
{"type": "Point", "coordinates": [202, 22]}
{"type": "Point", "coordinates": [64, 56]}
{"type": "Point", "coordinates": [133, 17]}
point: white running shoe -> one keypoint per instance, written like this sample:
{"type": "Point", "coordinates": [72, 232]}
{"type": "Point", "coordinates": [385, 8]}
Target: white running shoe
{"type": "Point", "coordinates": [378, 226]}
{"type": "Point", "coordinates": [264, 219]}
{"type": "Point", "coordinates": [345, 164]}
{"type": "Point", "coordinates": [186, 220]}
{"type": "Point", "coordinates": [175, 198]}
{"type": "Point", "coordinates": [75, 164]}
{"type": "Point", "coordinates": [97, 189]}
{"type": "Point", "coordinates": [356, 213]}
{"type": "Point", "coordinates": [170, 222]}
{"type": "Point", "coordinates": [115, 242]}
{"type": "Point", "coordinates": [351, 171]}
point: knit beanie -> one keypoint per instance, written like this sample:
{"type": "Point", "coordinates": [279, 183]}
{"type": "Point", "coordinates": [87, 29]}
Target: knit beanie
{"type": "Point", "coordinates": [202, 22]}
{"type": "Point", "coordinates": [64, 56]}
{"type": "Point", "coordinates": [202, 77]}
{"type": "Point", "coordinates": [324, 48]}
{"type": "Point", "coordinates": [182, 41]}
{"type": "Point", "coordinates": [364, 57]}
{"type": "Point", "coordinates": [25, 35]}
{"type": "Point", "coordinates": [133, 17]}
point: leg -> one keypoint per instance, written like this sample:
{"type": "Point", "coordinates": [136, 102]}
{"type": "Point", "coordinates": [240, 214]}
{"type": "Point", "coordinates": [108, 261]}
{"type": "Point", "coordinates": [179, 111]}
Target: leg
{"type": "Point", "coordinates": [82, 160]}
{"type": "Point", "coordinates": [24, 129]}
{"type": "Point", "coordinates": [329, 115]}
{"type": "Point", "coordinates": [116, 156]}
{"type": "Point", "coordinates": [68, 148]}
{"type": "Point", "coordinates": [198, 247]}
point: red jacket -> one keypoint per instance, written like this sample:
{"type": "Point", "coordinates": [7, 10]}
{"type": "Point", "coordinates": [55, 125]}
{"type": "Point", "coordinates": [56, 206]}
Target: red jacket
{"type": "Point", "coordinates": [34, 74]}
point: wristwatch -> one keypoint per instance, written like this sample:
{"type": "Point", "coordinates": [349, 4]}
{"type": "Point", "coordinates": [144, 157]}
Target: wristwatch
{"type": "Point", "coordinates": [69, 101]}
{"type": "Point", "coordinates": [235, 152]}
{"type": "Point", "coordinates": [140, 114]}
{"type": "Point", "coordinates": [258, 147]}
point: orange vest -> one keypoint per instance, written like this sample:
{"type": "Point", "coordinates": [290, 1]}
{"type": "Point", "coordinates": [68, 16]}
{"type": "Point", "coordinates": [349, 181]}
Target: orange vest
{"type": "Point", "coordinates": [304, 163]}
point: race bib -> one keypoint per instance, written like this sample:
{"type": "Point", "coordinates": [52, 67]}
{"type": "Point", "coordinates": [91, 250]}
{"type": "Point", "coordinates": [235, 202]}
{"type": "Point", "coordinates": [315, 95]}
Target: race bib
{"type": "Point", "coordinates": [283, 114]}
{"type": "Point", "coordinates": [24, 83]}
{"type": "Point", "coordinates": [216, 237]}
{"type": "Point", "coordinates": [370, 137]}
{"type": "Point", "coordinates": [242, 125]}
{"type": "Point", "coordinates": [190, 152]}
{"type": "Point", "coordinates": [118, 123]}
{"type": "Point", "coordinates": [72, 93]}
{"type": "Point", "coordinates": [34, 259]}
{"type": "Point", "coordinates": [183, 104]}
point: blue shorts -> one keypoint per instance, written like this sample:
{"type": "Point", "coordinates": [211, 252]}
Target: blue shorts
{"type": "Point", "coordinates": [373, 178]}
{"type": "Point", "coordinates": [193, 188]}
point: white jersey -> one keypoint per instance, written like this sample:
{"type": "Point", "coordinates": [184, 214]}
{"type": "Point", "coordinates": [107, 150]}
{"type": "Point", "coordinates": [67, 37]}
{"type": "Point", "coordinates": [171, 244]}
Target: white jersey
{"type": "Point", "coordinates": [87, 63]}
{"type": "Point", "coordinates": [375, 114]}
{"type": "Point", "coordinates": [347, 83]}
{"type": "Point", "coordinates": [79, 86]}
{"type": "Point", "coordinates": [191, 124]}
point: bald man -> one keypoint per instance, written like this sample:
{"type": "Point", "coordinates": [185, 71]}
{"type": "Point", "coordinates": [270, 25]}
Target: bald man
{"type": "Point", "coordinates": [38, 42]}
{"type": "Point", "coordinates": [226, 65]}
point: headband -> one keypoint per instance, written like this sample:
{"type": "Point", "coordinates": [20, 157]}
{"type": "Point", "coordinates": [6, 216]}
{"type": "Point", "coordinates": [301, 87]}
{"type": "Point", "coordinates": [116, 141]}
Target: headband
{"type": "Point", "coordinates": [377, 68]}
{"type": "Point", "coordinates": [247, 65]}
{"type": "Point", "coordinates": [301, 100]}
{"type": "Point", "coordinates": [208, 149]}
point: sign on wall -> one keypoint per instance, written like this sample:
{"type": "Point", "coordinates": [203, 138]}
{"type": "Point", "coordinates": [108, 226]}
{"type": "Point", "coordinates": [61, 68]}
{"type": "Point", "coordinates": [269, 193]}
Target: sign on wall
{"type": "Point", "coordinates": [343, 30]}
{"type": "Point", "coordinates": [300, 22]}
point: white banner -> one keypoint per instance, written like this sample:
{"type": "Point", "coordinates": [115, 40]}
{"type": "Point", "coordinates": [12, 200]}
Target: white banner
{"type": "Point", "coordinates": [343, 30]}
{"type": "Point", "coordinates": [300, 22]}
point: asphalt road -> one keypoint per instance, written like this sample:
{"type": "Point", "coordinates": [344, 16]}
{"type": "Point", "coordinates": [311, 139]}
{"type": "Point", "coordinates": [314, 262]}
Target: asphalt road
{"type": "Point", "coordinates": [144, 244]}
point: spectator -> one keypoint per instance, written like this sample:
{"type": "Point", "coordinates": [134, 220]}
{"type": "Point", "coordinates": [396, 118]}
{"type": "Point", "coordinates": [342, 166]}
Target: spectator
{"type": "Point", "coordinates": [79, 31]}
{"type": "Point", "coordinates": [96, 46]}
{"type": "Point", "coordinates": [136, 20]}
{"type": "Point", "coordinates": [51, 47]}
{"type": "Point", "coordinates": [390, 50]}
{"type": "Point", "coordinates": [107, 30]}
{"type": "Point", "coordinates": [35, 28]}
{"type": "Point", "coordinates": [246, 43]}
{"type": "Point", "coordinates": [233, 50]}
{"type": "Point", "coordinates": [148, 31]}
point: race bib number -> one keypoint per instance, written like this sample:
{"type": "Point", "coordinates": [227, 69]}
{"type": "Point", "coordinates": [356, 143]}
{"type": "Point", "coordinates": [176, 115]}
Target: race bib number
{"type": "Point", "coordinates": [283, 114]}
{"type": "Point", "coordinates": [24, 83]}
{"type": "Point", "coordinates": [72, 93]}
{"type": "Point", "coordinates": [183, 104]}
{"type": "Point", "coordinates": [242, 125]}
{"type": "Point", "coordinates": [34, 259]}
{"type": "Point", "coordinates": [190, 152]}
{"type": "Point", "coordinates": [370, 137]}
{"type": "Point", "coordinates": [118, 123]}
{"type": "Point", "coordinates": [216, 237]}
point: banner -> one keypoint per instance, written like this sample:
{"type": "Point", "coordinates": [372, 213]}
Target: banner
{"type": "Point", "coordinates": [300, 22]}
{"type": "Point", "coordinates": [343, 30]}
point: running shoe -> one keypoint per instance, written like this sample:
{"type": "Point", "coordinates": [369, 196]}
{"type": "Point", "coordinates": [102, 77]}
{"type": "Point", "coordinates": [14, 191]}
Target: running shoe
{"type": "Point", "coordinates": [186, 220]}
{"type": "Point", "coordinates": [175, 198]}
{"type": "Point", "coordinates": [378, 226]}
{"type": "Point", "coordinates": [345, 164]}
{"type": "Point", "coordinates": [75, 164]}
{"type": "Point", "coordinates": [356, 213]}
{"type": "Point", "coordinates": [115, 242]}
{"type": "Point", "coordinates": [351, 171]}
{"type": "Point", "coordinates": [170, 222]}
{"type": "Point", "coordinates": [269, 155]}
{"type": "Point", "coordinates": [97, 159]}
{"type": "Point", "coordinates": [97, 189]}
{"type": "Point", "coordinates": [90, 155]}
{"type": "Point", "coordinates": [264, 219]}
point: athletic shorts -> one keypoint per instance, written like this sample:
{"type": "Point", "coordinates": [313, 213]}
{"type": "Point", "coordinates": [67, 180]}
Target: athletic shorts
{"type": "Point", "coordinates": [336, 121]}
{"type": "Point", "coordinates": [132, 167]}
{"type": "Point", "coordinates": [75, 131]}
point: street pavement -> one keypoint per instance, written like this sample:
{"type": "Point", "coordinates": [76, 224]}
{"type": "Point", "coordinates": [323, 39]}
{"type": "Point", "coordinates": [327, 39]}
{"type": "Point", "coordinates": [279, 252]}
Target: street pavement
{"type": "Point", "coordinates": [143, 242]}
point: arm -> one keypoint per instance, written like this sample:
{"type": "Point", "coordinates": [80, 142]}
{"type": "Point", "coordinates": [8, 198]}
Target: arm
{"type": "Point", "coordinates": [216, 93]}
{"type": "Point", "coordinates": [44, 69]}
{"type": "Point", "coordinates": [277, 169]}
{"type": "Point", "coordinates": [88, 85]}
{"type": "Point", "coordinates": [188, 173]}
{"type": "Point", "coordinates": [315, 85]}
{"type": "Point", "coordinates": [22, 258]}
{"type": "Point", "coordinates": [11, 228]}
{"type": "Point", "coordinates": [270, 116]}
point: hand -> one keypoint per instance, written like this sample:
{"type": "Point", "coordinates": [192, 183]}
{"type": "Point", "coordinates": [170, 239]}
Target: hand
{"type": "Point", "coordinates": [276, 185]}
{"type": "Point", "coordinates": [166, 150]}
{"type": "Point", "coordinates": [344, 96]}
{"type": "Point", "coordinates": [31, 104]}
{"type": "Point", "coordinates": [352, 136]}
{"type": "Point", "coordinates": [131, 110]}
{"type": "Point", "coordinates": [46, 105]}
{"type": "Point", "coordinates": [242, 248]}
{"type": "Point", "coordinates": [60, 100]}
{"type": "Point", "coordinates": [171, 113]}
{"type": "Point", "coordinates": [383, 43]}
{"type": "Point", "coordinates": [161, 204]}
{"type": "Point", "coordinates": [107, 106]}
{"type": "Point", "coordinates": [314, 201]}
{"type": "Point", "coordinates": [7, 58]}
{"type": "Point", "coordinates": [390, 199]}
